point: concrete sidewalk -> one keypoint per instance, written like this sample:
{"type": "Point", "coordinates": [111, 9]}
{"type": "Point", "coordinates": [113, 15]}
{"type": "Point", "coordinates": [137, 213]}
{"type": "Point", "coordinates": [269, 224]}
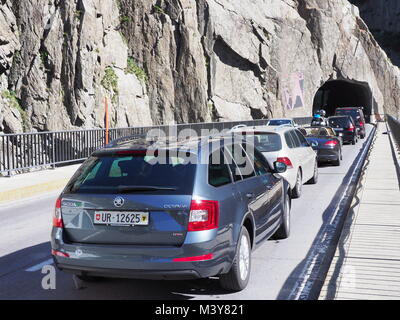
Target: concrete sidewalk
{"type": "Point", "coordinates": [34, 183]}
{"type": "Point", "coordinates": [366, 264]}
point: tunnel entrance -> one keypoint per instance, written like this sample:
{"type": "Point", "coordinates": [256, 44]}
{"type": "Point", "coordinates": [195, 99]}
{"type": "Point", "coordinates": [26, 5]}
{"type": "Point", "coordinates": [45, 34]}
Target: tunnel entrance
{"type": "Point", "coordinates": [341, 93]}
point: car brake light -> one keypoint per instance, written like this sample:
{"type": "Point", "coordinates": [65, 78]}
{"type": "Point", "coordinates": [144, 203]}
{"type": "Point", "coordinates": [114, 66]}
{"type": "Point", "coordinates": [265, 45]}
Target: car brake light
{"type": "Point", "coordinates": [131, 152]}
{"type": "Point", "coordinates": [361, 123]}
{"type": "Point", "coordinates": [204, 215]}
{"type": "Point", "coordinates": [57, 218]}
{"type": "Point", "coordinates": [351, 128]}
{"type": "Point", "coordinates": [59, 253]}
{"type": "Point", "coordinates": [286, 161]}
{"type": "Point", "coordinates": [331, 143]}
{"type": "Point", "coordinates": [197, 258]}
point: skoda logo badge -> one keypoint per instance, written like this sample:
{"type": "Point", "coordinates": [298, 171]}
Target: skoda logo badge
{"type": "Point", "coordinates": [119, 202]}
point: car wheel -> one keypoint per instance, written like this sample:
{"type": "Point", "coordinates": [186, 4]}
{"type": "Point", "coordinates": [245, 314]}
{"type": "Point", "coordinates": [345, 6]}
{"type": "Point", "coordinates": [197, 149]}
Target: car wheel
{"type": "Point", "coordinates": [296, 192]}
{"type": "Point", "coordinates": [337, 162]}
{"type": "Point", "coordinates": [284, 229]}
{"type": "Point", "coordinates": [238, 276]}
{"type": "Point", "coordinates": [353, 142]}
{"type": "Point", "coordinates": [314, 179]}
{"type": "Point", "coordinates": [341, 154]}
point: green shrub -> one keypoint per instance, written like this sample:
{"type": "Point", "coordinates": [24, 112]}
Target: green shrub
{"type": "Point", "coordinates": [124, 19]}
{"type": "Point", "coordinates": [110, 83]}
{"type": "Point", "coordinates": [158, 9]}
{"type": "Point", "coordinates": [133, 68]}
{"type": "Point", "coordinates": [110, 80]}
{"type": "Point", "coordinates": [14, 103]}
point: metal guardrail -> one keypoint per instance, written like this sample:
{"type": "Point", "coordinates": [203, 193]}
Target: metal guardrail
{"type": "Point", "coordinates": [25, 151]}
{"type": "Point", "coordinates": [394, 125]}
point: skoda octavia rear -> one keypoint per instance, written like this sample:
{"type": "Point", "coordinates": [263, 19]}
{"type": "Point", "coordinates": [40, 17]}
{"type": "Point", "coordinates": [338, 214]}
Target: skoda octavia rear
{"type": "Point", "coordinates": [123, 214]}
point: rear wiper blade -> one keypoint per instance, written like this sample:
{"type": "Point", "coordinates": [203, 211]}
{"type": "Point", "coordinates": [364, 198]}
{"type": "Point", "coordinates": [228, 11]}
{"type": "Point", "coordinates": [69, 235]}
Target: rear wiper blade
{"type": "Point", "coordinates": [143, 188]}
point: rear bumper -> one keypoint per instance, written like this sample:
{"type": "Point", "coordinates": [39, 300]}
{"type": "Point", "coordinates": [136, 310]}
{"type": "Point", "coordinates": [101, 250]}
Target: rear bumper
{"type": "Point", "coordinates": [327, 155]}
{"type": "Point", "coordinates": [141, 262]}
{"type": "Point", "coordinates": [327, 158]}
{"type": "Point", "coordinates": [131, 273]}
{"type": "Point", "coordinates": [348, 136]}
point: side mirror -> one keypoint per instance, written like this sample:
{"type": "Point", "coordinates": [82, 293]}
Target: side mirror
{"type": "Point", "coordinates": [279, 167]}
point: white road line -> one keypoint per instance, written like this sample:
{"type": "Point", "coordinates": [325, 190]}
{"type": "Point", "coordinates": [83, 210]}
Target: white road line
{"type": "Point", "coordinates": [39, 266]}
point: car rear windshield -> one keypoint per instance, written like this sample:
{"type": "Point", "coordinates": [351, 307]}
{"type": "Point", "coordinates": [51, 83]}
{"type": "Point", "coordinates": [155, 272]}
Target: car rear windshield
{"type": "Point", "coordinates": [312, 131]}
{"type": "Point", "coordinates": [264, 142]}
{"type": "Point", "coordinates": [342, 122]}
{"type": "Point", "coordinates": [354, 113]}
{"type": "Point", "coordinates": [278, 122]}
{"type": "Point", "coordinates": [134, 174]}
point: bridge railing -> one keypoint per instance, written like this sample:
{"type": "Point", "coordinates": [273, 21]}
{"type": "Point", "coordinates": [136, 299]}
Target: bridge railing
{"type": "Point", "coordinates": [394, 125]}
{"type": "Point", "coordinates": [23, 152]}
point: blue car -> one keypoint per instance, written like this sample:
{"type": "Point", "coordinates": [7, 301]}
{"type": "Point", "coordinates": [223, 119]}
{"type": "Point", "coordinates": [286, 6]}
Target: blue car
{"type": "Point", "coordinates": [184, 210]}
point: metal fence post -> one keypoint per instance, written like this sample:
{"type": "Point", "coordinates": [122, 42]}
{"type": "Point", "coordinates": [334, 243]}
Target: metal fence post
{"type": "Point", "coordinates": [53, 151]}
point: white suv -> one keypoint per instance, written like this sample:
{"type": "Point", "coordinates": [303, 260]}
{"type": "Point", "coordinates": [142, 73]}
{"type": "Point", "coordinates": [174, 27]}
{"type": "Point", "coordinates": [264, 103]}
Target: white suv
{"type": "Point", "coordinates": [288, 145]}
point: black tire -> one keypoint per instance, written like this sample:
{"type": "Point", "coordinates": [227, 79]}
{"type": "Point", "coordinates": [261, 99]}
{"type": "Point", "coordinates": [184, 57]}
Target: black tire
{"type": "Point", "coordinates": [353, 142]}
{"type": "Point", "coordinates": [314, 179]}
{"type": "Point", "coordinates": [337, 162]}
{"type": "Point", "coordinates": [296, 191]}
{"type": "Point", "coordinates": [284, 229]}
{"type": "Point", "coordinates": [233, 281]}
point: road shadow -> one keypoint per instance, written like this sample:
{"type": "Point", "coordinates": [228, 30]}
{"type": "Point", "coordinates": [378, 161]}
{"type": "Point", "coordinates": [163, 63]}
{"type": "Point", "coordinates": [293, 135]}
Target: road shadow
{"type": "Point", "coordinates": [307, 279]}
{"type": "Point", "coordinates": [17, 283]}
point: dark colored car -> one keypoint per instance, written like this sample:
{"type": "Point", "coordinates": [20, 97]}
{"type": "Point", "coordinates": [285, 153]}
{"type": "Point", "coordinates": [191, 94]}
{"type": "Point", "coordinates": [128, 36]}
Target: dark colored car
{"type": "Point", "coordinates": [325, 142]}
{"type": "Point", "coordinates": [125, 215]}
{"type": "Point", "coordinates": [358, 116]}
{"type": "Point", "coordinates": [345, 127]}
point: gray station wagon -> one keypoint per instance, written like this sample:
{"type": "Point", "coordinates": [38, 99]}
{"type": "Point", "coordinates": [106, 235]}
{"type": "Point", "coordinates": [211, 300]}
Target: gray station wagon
{"type": "Point", "coordinates": [139, 209]}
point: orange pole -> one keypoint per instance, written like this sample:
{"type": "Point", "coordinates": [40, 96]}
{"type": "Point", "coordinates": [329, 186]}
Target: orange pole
{"type": "Point", "coordinates": [106, 118]}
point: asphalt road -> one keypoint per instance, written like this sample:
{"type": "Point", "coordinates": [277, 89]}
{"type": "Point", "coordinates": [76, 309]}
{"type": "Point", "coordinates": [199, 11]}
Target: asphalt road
{"type": "Point", "coordinates": [277, 271]}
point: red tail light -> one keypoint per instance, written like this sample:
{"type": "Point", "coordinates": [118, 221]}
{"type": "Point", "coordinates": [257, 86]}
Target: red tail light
{"type": "Point", "coordinates": [331, 143]}
{"type": "Point", "coordinates": [198, 258]}
{"type": "Point", "coordinates": [351, 128]}
{"type": "Point", "coordinates": [57, 218]}
{"type": "Point", "coordinates": [204, 215]}
{"type": "Point", "coordinates": [361, 123]}
{"type": "Point", "coordinates": [59, 253]}
{"type": "Point", "coordinates": [286, 161]}
{"type": "Point", "coordinates": [131, 152]}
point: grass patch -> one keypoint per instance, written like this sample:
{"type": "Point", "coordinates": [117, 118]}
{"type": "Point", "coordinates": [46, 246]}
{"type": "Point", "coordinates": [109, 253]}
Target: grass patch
{"type": "Point", "coordinates": [78, 14]}
{"type": "Point", "coordinates": [110, 83]}
{"type": "Point", "coordinates": [44, 57]}
{"type": "Point", "coordinates": [133, 68]}
{"type": "Point", "coordinates": [158, 9]}
{"type": "Point", "coordinates": [14, 103]}
{"type": "Point", "coordinates": [124, 19]}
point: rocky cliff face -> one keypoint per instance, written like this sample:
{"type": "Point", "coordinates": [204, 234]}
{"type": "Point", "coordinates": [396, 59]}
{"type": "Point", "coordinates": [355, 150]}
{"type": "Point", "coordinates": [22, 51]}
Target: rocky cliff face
{"type": "Point", "coordinates": [170, 61]}
{"type": "Point", "coordinates": [382, 18]}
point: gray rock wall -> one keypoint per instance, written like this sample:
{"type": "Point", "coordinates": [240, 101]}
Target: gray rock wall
{"type": "Point", "coordinates": [173, 61]}
{"type": "Point", "coordinates": [383, 19]}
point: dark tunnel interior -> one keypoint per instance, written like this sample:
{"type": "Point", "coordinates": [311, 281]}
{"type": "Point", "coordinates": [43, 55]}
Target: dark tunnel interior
{"type": "Point", "coordinates": [339, 93]}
